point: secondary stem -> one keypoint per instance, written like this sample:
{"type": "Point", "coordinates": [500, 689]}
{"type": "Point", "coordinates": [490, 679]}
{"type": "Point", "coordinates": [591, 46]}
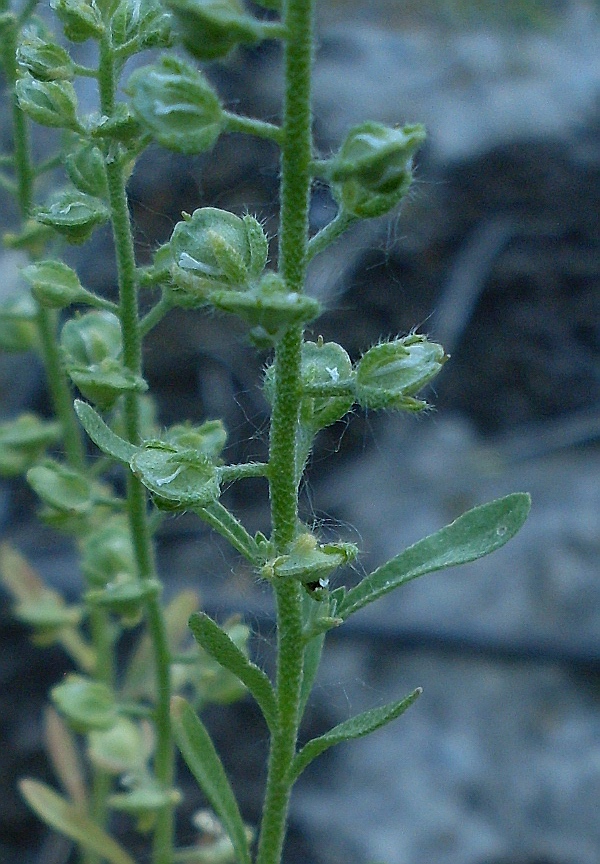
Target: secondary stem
{"type": "Point", "coordinates": [136, 495]}
{"type": "Point", "coordinates": [296, 156]}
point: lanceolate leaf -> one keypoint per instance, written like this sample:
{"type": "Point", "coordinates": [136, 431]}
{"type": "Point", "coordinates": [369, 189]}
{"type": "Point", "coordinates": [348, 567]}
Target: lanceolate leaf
{"type": "Point", "coordinates": [355, 727]}
{"type": "Point", "coordinates": [219, 518]}
{"type": "Point", "coordinates": [474, 534]}
{"type": "Point", "coordinates": [217, 643]}
{"type": "Point", "coordinates": [68, 819]}
{"type": "Point", "coordinates": [203, 761]}
{"type": "Point", "coordinates": [102, 435]}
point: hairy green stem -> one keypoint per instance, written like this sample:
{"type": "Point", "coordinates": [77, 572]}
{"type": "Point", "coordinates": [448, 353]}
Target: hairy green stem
{"type": "Point", "coordinates": [136, 494]}
{"type": "Point", "coordinates": [296, 156]}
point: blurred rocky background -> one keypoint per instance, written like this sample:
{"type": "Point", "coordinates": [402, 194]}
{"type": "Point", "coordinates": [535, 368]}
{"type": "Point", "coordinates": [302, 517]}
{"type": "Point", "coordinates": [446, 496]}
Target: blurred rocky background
{"type": "Point", "coordinates": [497, 254]}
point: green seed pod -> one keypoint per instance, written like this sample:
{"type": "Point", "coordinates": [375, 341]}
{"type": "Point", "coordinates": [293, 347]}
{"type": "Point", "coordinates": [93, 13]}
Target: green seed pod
{"type": "Point", "coordinates": [65, 490]}
{"type": "Point", "coordinates": [54, 284]}
{"type": "Point", "coordinates": [140, 24]}
{"type": "Point", "coordinates": [121, 126]}
{"type": "Point", "coordinates": [178, 479]}
{"type": "Point", "coordinates": [44, 60]}
{"type": "Point", "coordinates": [85, 704]}
{"type": "Point", "coordinates": [119, 750]}
{"type": "Point", "coordinates": [214, 249]}
{"type": "Point", "coordinates": [84, 164]}
{"type": "Point", "coordinates": [23, 441]}
{"type": "Point", "coordinates": [373, 170]}
{"type": "Point", "coordinates": [325, 364]}
{"type": "Point", "coordinates": [210, 29]}
{"type": "Point", "coordinates": [107, 553]}
{"type": "Point", "coordinates": [49, 103]}
{"type": "Point", "coordinates": [92, 349]}
{"type": "Point", "coordinates": [73, 215]}
{"type": "Point", "coordinates": [81, 19]}
{"type": "Point", "coordinates": [389, 374]}
{"type": "Point", "coordinates": [177, 105]}
{"type": "Point", "coordinates": [17, 323]}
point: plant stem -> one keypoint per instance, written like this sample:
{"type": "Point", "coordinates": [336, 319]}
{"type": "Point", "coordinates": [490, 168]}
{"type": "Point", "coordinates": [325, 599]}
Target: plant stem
{"type": "Point", "coordinates": [136, 494]}
{"type": "Point", "coordinates": [296, 156]}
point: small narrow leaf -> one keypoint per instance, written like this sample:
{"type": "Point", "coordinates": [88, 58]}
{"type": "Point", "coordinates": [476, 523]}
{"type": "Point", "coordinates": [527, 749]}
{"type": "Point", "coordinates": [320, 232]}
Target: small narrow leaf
{"type": "Point", "coordinates": [68, 819]}
{"type": "Point", "coordinates": [474, 534]}
{"type": "Point", "coordinates": [225, 523]}
{"type": "Point", "coordinates": [102, 435]}
{"type": "Point", "coordinates": [356, 727]}
{"type": "Point", "coordinates": [62, 749]}
{"type": "Point", "coordinates": [217, 643]}
{"type": "Point", "coordinates": [203, 761]}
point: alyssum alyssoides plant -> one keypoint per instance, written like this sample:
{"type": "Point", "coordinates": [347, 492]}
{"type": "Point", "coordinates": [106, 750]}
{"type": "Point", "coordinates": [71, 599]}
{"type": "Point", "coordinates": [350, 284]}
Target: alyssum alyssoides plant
{"type": "Point", "coordinates": [114, 724]}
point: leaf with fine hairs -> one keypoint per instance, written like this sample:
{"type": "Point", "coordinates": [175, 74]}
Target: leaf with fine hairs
{"type": "Point", "coordinates": [68, 819]}
{"type": "Point", "coordinates": [203, 761]}
{"type": "Point", "coordinates": [355, 727]}
{"type": "Point", "coordinates": [474, 534]}
{"type": "Point", "coordinates": [104, 438]}
{"type": "Point", "coordinates": [218, 644]}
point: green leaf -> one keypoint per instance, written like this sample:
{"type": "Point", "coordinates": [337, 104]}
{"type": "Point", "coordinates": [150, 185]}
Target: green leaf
{"type": "Point", "coordinates": [102, 436]}
{"type": "Point", "coordinates": [203, 761]}
{"type": "Point", "coordinates": [218, 644]}
{"type": "Point", "coordinates": [355, 727]}
{"type": "Point", "coordinates": [474, 534]}
{"type": "Point", "coordinates": [68, 819]}
{"type": "Point", "coordinates": [219, 518]}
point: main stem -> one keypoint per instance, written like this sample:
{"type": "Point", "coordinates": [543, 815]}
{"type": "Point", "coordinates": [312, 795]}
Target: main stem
{"type": "Point", "coordinates": [296, 157]}
{"type": "Point", "coordinates": [136, 495]}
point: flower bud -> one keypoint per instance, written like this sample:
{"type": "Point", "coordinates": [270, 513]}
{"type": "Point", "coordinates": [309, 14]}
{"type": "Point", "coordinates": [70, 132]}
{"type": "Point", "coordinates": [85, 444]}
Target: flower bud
{"type": "Point", "coordinates": [84, 164]}
{"type": "Point", "coordinates": [49, 103]}
{"type": "Point", "coordinates": [140, 24]}
{"type": "Point", "coordinates": [54, 284]}
{"type": "Point", "coordinates": [214, 249]}
{"type": "Point", "coordinates": [73, 215]}
{"type": "Point", "coordinates": [23, 441]}
{"type": "Point", "coordinates": [177, 105]}
{"type": "Point", "coordinates": [44, 60]}
{"type": "Point", "coordinates": [92, 349]}
{"type": "Point", "coordinates": [389, 374]}
{"type": "Point", "coordinates": [373, 169]}
{"type": "Point", "coordinates": [81, 19]}
{"type": "Point", "coordinates": [210, 29]}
